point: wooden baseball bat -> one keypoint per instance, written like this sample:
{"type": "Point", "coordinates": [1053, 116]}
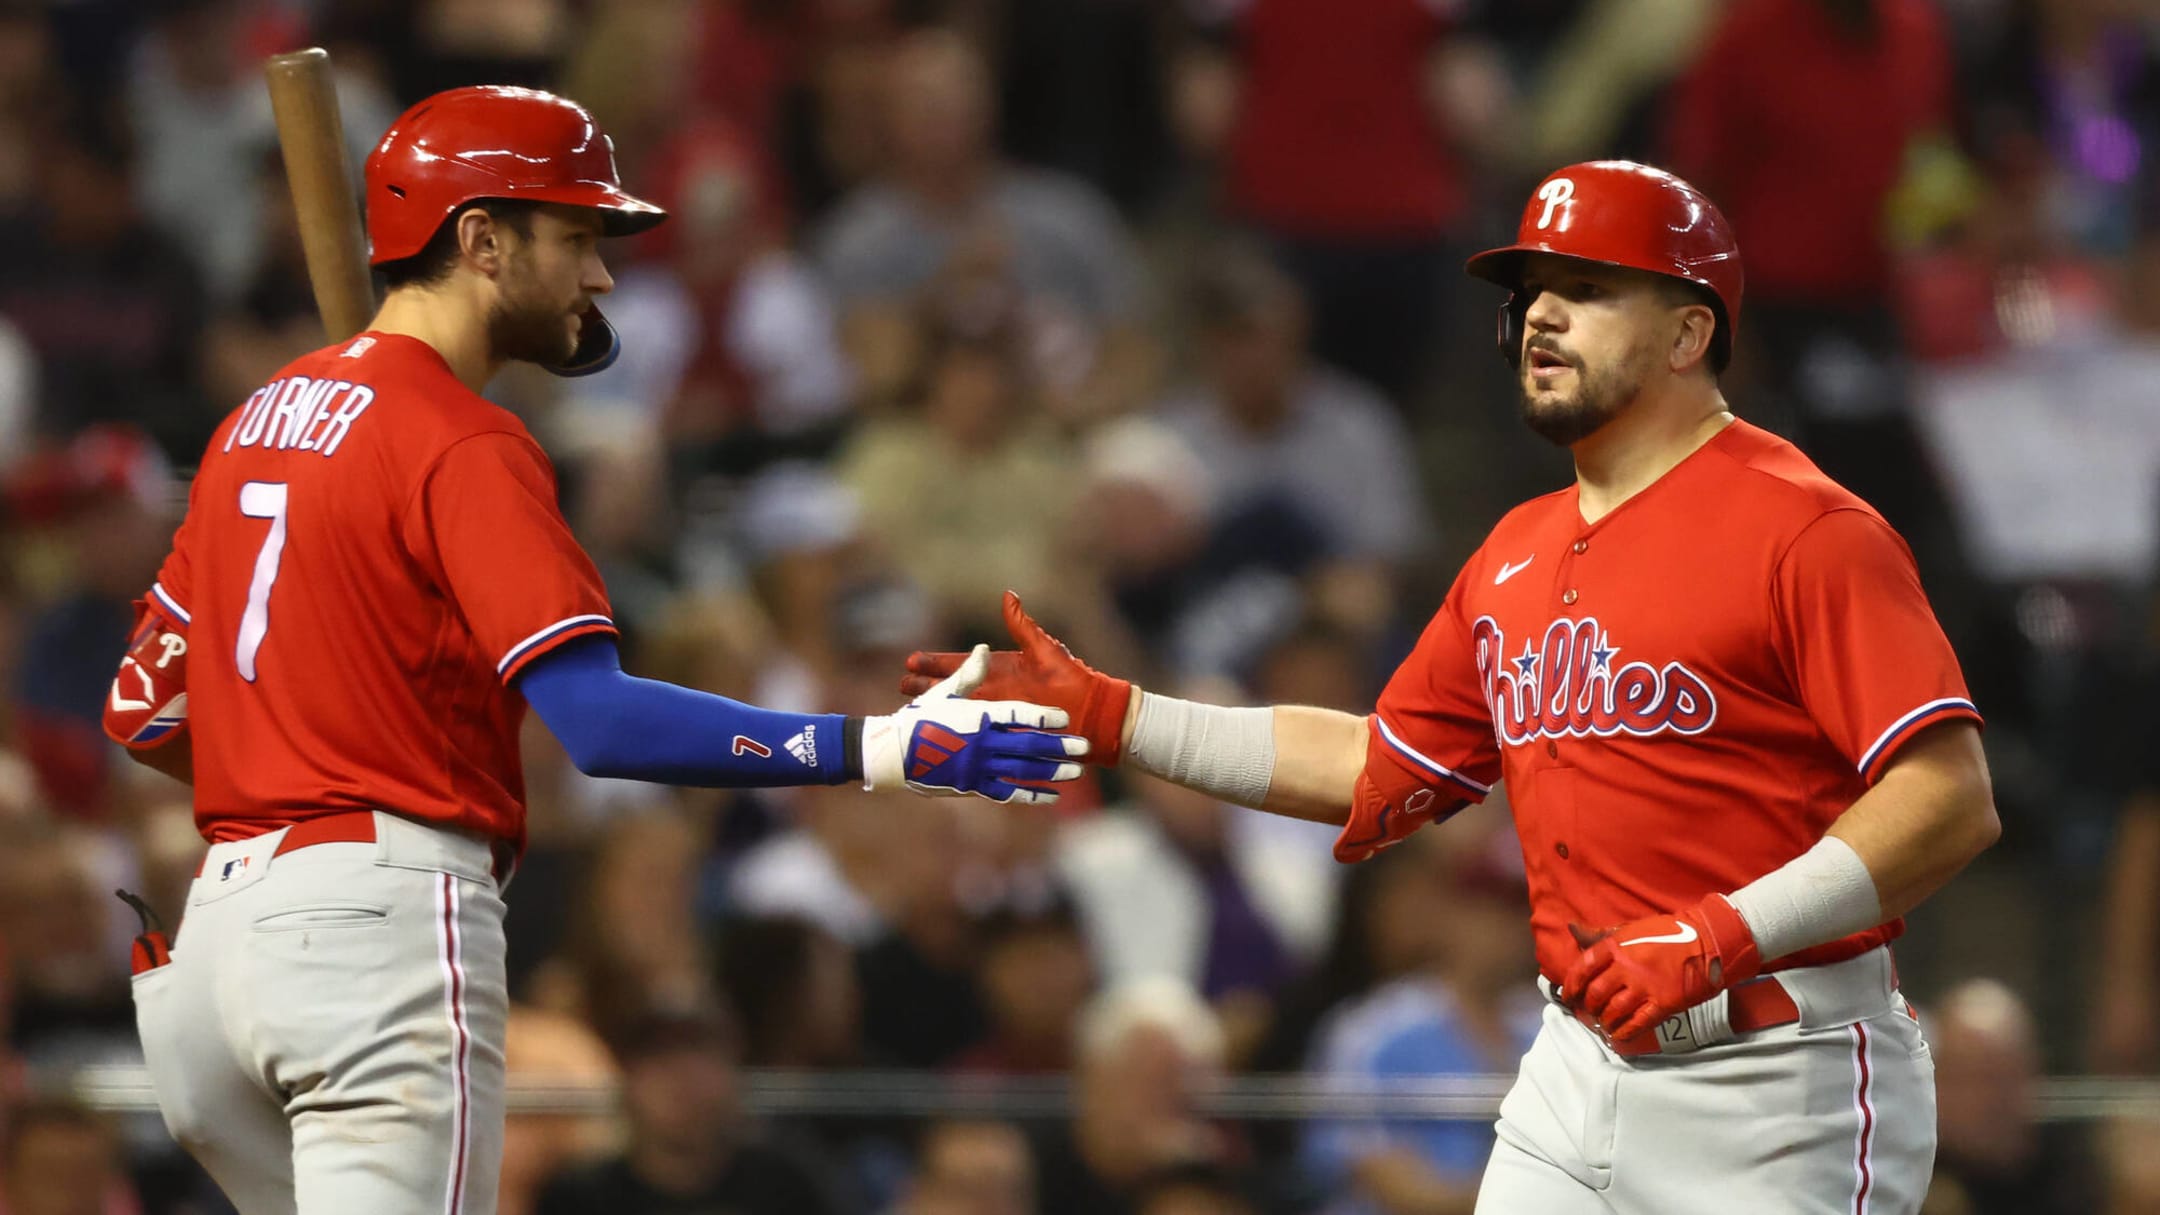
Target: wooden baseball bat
{"type": "Point", "coordinates": [304, 100]}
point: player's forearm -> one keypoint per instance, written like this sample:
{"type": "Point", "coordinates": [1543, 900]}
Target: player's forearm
{"type": "Point", "coordinates": [1928, 816]}
{"type": "Point", "coordinates": [1292, 760]}
{"type": "Point", "coordinates": [1318, 755]}
{"type": "Point", "coordinates": [616, 725]}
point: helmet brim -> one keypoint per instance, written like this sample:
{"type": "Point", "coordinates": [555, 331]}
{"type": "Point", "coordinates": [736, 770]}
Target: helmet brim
{"type": "Point", "coordinates": [621, 212]}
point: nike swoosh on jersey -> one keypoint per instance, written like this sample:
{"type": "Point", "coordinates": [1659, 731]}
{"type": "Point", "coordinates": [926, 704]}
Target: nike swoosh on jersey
{"type": "Point", "coordinates": [1682, 937]}
{"type": "Point", "coordinates": [1509, 571]}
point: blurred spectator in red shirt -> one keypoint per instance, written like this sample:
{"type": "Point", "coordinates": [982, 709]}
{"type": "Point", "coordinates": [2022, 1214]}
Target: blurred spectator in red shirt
{"type": "Point", "coordinates": [1798, 117]}
{"type": "Point", "coordinates": [106, 500]}
{"type": "Point", "coordinates": [1343, 130]}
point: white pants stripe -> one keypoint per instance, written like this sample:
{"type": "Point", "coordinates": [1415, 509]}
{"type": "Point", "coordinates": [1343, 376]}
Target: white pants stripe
{"type": "Point", "coordinates": [461, 1043]}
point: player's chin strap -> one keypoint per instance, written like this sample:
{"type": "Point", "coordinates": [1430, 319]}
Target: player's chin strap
{"type": "Point", "coordinates": [597, 347]}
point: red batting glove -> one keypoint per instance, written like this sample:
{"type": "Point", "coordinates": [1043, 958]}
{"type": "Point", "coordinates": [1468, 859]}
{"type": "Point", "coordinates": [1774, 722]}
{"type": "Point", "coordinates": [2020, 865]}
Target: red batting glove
{"type": "Point", "coordinates": [1635, 976]}
{"type": "Point", "coordinates": [1044, 672]}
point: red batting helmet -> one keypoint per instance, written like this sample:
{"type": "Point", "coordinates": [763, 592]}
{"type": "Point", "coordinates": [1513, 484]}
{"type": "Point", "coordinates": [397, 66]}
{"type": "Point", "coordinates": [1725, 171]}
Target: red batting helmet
{"type": "Point", "coordinates": [489, 141]}
{"type": "Point", "coordinates": [1619, 213]}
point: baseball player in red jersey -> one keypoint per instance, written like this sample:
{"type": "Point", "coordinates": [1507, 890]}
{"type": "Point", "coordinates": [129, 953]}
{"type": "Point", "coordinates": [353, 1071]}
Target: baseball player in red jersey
{"type": "Point", "coordinates": [1736, 743]}
{"type": "Point", "coordinates": [372, 582]}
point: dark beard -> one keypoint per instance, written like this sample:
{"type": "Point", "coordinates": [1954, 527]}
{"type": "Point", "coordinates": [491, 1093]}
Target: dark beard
{"type": "Point", "coordinates": [1598, 398]}
{"type": "Point", "coordinates": [530, 331]}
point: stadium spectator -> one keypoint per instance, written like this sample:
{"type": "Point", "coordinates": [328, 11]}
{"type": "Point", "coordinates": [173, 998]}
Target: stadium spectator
{"type": "Point", "coordinates": [972, 1168]}
{"type": "Point", "coordinates": [945, 203]}
{"type": "Point", "coordinates": [1799, 117]}
{"type": "Point", "coordinates": [550, 1049]}
{"type": "Point", "coordinates": [1272, 426]}
{"type": "Point", "coordinates": [1036, 975]}
{"type": "Point", "coordinates": [793, 992]}
{"type": "Point", "coordinates": [1469, 1011]}
{"type": "Point", "coordinates": [59, 1158]}
{"type": "Point", "coordinates": [1176, 885]}
{"type": "Point", "coordinates": [58, 925]}
{"type": "Point", "coordinates": [968, 485]}
{"type": "Point", "coordinates": [106, 500]}
{"type": "Point", "coordinates": [687, 1147]}
{"type": "Point", "coordinates": [113, 309]}
{"type": "Point", "coordinates": [1145, 1046]}
{"type": "Point", "coordinates": [1348, 134]}
{"type": "Point", "coordinates": [201, 119]}
{"type": "Point", "coordinates": [1993, 1149]}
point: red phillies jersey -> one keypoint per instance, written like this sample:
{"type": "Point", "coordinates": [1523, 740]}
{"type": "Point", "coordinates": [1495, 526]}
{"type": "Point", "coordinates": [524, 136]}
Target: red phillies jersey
{"type": "Point", "coordinates": [1682, 696]}
{"type": "Point", "coordinates": [371, 553]}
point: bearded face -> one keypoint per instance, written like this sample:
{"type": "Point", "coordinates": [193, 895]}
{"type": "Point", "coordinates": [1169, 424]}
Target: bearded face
{"type": "Point", "coordinates": [546, 282]}
{"type": "Point", "coordinates": [1594, 337]}
{"type": "Point", "coordinates": [530, 322]}
{"type": "Point", "coordinates": [1565, 399]}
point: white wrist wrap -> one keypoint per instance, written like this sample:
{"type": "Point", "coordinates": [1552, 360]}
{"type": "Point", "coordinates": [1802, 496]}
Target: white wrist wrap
{"type": "Point", "coordinates": [1226, 753]}
{"type": "Point", "coordinates": [1821, 895]}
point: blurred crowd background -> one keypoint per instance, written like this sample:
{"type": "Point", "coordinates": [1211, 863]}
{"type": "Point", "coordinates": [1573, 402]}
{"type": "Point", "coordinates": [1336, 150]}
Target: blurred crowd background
{"type": "Point", "coordinates": [1151, 310]}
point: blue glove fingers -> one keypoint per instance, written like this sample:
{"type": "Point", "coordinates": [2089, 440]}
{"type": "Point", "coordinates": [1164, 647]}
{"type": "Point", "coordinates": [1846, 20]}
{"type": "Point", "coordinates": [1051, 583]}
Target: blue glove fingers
{"type": "Point", "coordinates": [1019, 741]}
{"type": "Point", "coordinates": [1029, 769]}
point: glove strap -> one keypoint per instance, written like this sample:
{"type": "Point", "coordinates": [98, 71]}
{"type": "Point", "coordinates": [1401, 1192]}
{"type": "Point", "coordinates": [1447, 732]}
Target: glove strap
{"type": "Point", "coordinates": [851, 761]}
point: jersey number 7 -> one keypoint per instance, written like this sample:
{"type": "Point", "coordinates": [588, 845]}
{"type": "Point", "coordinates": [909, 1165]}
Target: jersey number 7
{"type": "Point", "coordinates": [260, 500]}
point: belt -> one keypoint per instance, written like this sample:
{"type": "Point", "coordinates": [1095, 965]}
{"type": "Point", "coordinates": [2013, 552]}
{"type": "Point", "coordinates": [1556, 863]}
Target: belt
{"type": "Point", "coordinates": [1757, 1004]}
{"type": "Point", "coordinates": [358, 827]}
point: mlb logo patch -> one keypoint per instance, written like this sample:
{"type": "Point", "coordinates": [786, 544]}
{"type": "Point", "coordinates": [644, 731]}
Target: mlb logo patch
{"type": "Point", "coordinates": [234, 868]}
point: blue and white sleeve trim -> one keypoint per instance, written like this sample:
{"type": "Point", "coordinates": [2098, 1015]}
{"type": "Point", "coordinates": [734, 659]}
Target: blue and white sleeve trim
{"type": "Point", "coordinates": [170, 604]}
{"type": "Point", "coordinates": [567, 625]}
{"type": "Point", "coordinates": [1904, 726]}
{"type": "Point", "coordinates": [1431, 765]}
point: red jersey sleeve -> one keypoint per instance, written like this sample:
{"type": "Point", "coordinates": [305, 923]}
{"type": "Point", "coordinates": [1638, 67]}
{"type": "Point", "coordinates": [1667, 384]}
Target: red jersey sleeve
{"type": "Point", "coordinates": [174, 590]}
{"type": "Point", "coordinates": [1433, 720]}
{"type": "Point", "coordinates": [485, 523]}
{"type": "Point", "coordinates": [1859, 641]}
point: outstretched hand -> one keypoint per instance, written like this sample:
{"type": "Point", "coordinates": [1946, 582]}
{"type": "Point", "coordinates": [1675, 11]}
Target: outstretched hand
{"type": "Point", "coordinates": [1041, 671]}
{"type": "Point", "coordinates": [942, 744]}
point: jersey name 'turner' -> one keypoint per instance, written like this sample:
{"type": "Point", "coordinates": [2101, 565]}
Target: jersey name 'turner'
{"type": "Point", "coordinates": [299, 412]}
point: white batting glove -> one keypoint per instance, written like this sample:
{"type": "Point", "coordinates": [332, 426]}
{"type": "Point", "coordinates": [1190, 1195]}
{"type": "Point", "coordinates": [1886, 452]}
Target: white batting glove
{"type": "Point", "coordinates": [944, 745]}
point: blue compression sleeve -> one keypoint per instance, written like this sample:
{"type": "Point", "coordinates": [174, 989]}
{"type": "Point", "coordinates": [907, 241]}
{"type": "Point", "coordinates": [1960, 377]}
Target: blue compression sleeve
{"type": "Point", "coordinates": [614, 724]}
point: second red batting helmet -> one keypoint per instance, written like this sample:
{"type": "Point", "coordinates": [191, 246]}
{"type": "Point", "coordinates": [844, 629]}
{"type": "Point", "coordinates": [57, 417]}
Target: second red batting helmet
{"type": "Point", "coordinates": [1620, 213]}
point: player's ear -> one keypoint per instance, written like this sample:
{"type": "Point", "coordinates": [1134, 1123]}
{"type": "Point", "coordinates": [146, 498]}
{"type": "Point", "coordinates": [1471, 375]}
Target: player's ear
{"type": "Point", "coordinates": [479, 239]}
{"type": "Point", "coordinates": [1691, 336]}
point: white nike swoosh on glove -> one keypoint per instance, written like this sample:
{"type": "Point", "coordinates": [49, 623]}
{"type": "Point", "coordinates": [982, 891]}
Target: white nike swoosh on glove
{"type": "Point", "coordinates": [1682, 937]}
